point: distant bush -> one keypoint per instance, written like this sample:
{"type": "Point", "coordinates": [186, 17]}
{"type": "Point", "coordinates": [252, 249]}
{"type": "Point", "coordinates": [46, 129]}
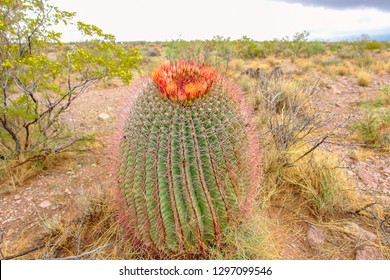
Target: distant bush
{"type": "Point", "coordinates": [246, 48]}
{"type": "Point", "coordinates": [346, 52]}
{"type": "Point", "coordinates": [314, 47]}
{"type": "Point", "coordinates": [200, 51]}
{"type": "Point", "coordinates": [373, 45]}
{"type": "Point", "coordinates": [365, 61]}
{"type": "Point", "coordinates": [224, 49]}
{"type": "Point", "coordinates": [335, 46]}
{"type": "Point", "coordinates": [275, 47]}
{"type": "Point", "coordinates": [298, 44]}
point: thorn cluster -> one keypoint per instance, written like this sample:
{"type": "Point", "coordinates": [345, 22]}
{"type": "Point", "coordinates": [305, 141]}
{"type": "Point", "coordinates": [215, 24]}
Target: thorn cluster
{"type": "Point", "coordinates": [183, 81]}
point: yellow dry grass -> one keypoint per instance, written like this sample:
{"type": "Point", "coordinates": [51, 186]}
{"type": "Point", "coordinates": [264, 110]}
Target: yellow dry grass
{"type": "Point", "coordinates": [364, 79]}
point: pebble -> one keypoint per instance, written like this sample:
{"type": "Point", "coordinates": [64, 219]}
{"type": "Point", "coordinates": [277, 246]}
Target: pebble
{"type": "Point", "coordinates": [315, 236]}
{"type": "Point", "coordinates": [103, 116]}
{"type": "Point", "coordinates": [368, 253]}
{"type": "Point", "coordinates": [360, 233]}
{"type": "Point", "coordinates": [45, 204]}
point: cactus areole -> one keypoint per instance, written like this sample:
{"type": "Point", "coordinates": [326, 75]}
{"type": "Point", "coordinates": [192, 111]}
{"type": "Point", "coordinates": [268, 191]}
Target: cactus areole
{"type": "Point", "coordinates": [184, 167]}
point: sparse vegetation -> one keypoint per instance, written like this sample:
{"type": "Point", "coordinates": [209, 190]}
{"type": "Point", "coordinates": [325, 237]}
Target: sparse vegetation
{"type": "Point", "coordinates": [315, 155]}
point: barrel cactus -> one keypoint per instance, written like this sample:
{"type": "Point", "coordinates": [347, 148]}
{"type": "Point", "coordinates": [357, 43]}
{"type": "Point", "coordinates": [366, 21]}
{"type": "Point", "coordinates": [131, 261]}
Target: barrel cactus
{"type": "Point", "coordinates": [187, 168]}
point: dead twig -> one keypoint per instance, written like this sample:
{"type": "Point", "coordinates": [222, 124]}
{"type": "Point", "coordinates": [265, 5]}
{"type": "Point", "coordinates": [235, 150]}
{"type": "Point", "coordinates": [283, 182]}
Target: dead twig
{"type": "Point", "coordinates": [384, 223]}
{"type": "Point", "coordinates": [25, 252]}
{"type": "Point", "coordinates": [85, 253]}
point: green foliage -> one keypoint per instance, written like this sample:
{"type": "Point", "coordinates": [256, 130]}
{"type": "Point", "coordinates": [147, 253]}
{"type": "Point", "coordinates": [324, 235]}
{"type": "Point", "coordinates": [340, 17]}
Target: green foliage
{"type": "Point", "coordinates": [385, 90]}
{"type": "Point", "coordinates": [217, 52]}
{"type": "Point", "coordinates": [371, 129]}
{"type": "Point", "coordinates": [246, 48]}
{"type": "Point", "coordinates": [315, 47]}
{"type": "Point", "coordinates": [368, 129]}
{"type": "Point", "coordinates": [40, 78]}
{"type": "Point", "coordinates": [200, 51]}
{"type": "Point", "coordinates": [373, 45]}
{"type": "Point", "coordinates": [360, 45]}
{"type": "Point", "coordinates": [276, 47]}
{"type": "Point", "coordinates": [183, 171]}
{"type": "Point", "coordinates": [224, 49]}
{"type": "Point", "coordinates": [298, 44]}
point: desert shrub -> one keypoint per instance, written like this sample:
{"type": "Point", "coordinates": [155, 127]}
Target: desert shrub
{"type": "Point", "coordinates": [314, 48]}
{"type": "Point", "coordinates": [335, 46]}
{"type": "Point", "coordinates": [359, 46]}
{"type": "Point", "coordinates": [224, 50]}
{"type": "Point", "coordinates": [364, 61]}
{"type": "Point", "coordinates": [372, 129]}
{"type": "Point", "coordinates": [299, 43]}
{"type": "Point", "coordinates": [293, 116]}
{"type": "Point", "coordinates": [200, 51]}
{"type": "Point", "coordinates": [373, 45]}
{"type": "Point", "coordinates": [40, 81]}
{"type": "Point", "coordinates": [346, 52]}
{"type": "Point", "coordinates": [276, 47]}
{"type": "Point", "coordinates": [385, 90]}
{"type": "Point", "coordinates": [246, 48]}
{"type": "Point", "coordinates": [381, 100]}
{"type": "Point", "coordinates": [298, 175]}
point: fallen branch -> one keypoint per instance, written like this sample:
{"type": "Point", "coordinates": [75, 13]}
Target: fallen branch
{"type": "Point", "coordinates": [25, 252]}
{"type": "Point", "coordinates": [85, 253]}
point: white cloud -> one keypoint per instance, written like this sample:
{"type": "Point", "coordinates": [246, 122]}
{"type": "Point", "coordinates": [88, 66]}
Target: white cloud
{"type": "Point", "coordinates": [202, 19]}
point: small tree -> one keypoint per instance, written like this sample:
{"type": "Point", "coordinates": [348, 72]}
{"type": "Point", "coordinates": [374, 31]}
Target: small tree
{"type": "Point", "coordinates": [298, 43]}
{"type": "Point", "coordinates": [224, 49]}
{"type": "Point", "coordinates": [246, 48]}
{"type": "Point", "coordinates": [40, 77]}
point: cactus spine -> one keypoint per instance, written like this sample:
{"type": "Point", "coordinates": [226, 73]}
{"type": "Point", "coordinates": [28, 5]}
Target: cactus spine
{"type": "Point", "coordinates": [183, 170]}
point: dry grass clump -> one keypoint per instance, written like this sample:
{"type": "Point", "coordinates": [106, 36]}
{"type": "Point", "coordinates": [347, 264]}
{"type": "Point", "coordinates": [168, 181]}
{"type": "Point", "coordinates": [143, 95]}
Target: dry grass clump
{"type": "Point", "coordinates": [15, 173]}
{"type": "Point", "coordinates": [379, 67]}
{"type": "Point", "coordinates": [316, 192]}
{"type": "Point", "coordinates": [342, 70]}
{"type": "Point", "coordinates": [252, 241]}
{"type": "Point", "coordinates": [364, 79]}
{"type": "Point", "coordinates": [313, 184]}
{"type": "Point", "coordinates": [96, 234]}
{"type": "Point", "coordinates": [387, 67]}
{"type": "Point", "coordinates": [305, 186]}
{"type": "Point", "coordinates": [272, 61]}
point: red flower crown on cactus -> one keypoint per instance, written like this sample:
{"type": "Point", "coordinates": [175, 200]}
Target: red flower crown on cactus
{"type": "Point", "coordinates": [183, 81]}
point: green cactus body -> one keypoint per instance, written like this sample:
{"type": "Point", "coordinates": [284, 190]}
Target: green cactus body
{"type": "Point", "coordinates": [183, 169]}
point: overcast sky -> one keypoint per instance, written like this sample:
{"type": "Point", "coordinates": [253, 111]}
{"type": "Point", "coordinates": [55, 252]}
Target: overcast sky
{"type": "Point", "coordinates": [164, 20]}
